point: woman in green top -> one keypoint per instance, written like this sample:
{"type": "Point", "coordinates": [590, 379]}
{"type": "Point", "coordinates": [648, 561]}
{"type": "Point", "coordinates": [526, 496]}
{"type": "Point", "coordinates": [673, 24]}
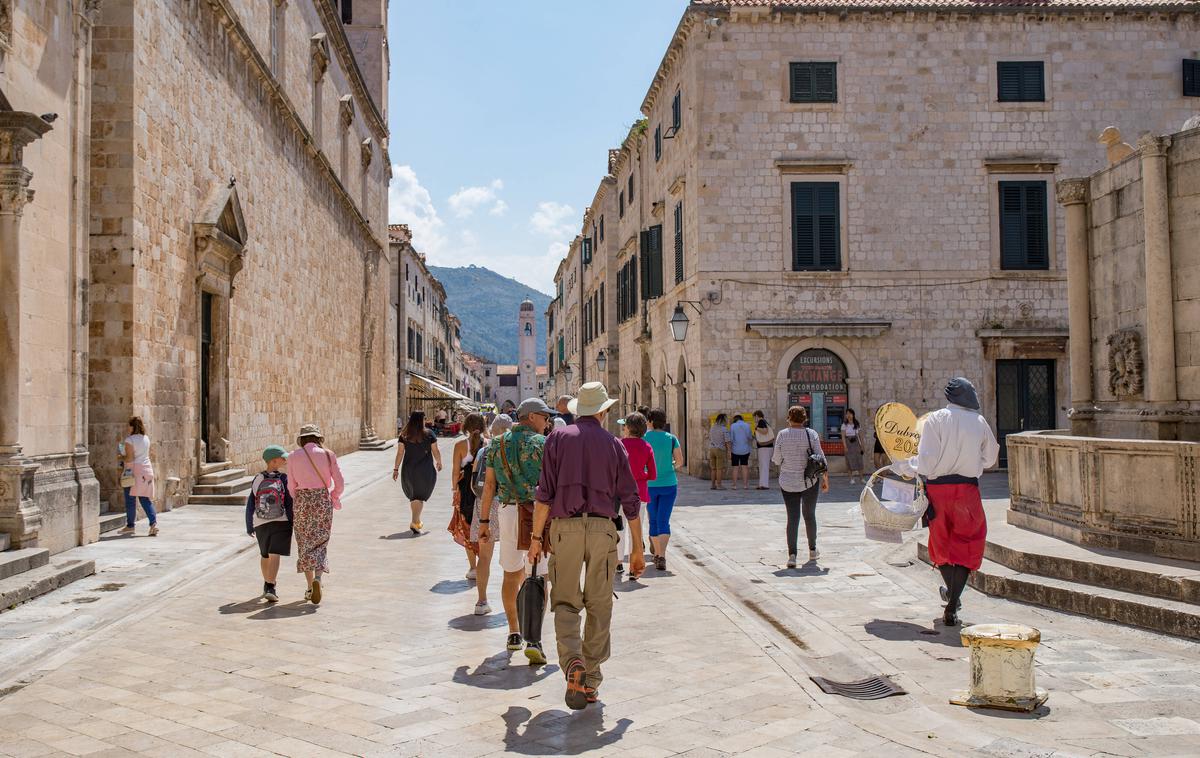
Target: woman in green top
{"type": "Point", "coordinates": [668, 456]}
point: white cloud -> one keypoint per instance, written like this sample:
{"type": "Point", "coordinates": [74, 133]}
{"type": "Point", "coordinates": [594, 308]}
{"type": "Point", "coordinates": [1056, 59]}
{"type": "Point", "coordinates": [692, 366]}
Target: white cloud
{"type": "Point", "coordinates": [554, 220]}
{"type": "Point", "coordinates": [467, 200]}
{"type": "Point", "coordinates": [410, 203]}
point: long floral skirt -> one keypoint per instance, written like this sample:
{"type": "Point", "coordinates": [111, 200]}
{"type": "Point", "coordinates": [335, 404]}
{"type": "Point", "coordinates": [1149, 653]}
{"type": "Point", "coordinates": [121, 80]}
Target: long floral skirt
{"type": "Point", "coordinates": [312, 523]}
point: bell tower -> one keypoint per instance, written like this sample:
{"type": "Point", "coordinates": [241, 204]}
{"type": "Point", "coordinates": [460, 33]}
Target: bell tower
{"type": "Point", "coordinates": [527, 350]}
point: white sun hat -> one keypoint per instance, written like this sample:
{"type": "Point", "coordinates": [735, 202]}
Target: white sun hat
{"type": "Point", "coordinates": [592, 399]}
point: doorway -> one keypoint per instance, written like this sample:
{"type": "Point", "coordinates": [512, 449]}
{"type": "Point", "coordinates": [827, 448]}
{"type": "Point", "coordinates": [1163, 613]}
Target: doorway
{"type": "Point", "coordinates": [1024, 399]}
{"type": "Point", "coordinates": [214, 379]}
{"type": "Point", "coordinates": [206, 321]}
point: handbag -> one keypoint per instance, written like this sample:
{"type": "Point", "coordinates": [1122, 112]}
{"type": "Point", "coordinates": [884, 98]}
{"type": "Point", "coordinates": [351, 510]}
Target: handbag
{"type": "Point", "coordinates": [127, 479]}
{"type": "Point", "coordinates": [524, 510]}
{"type": "Point", "coordinates": [816, 464]}
{"type": "Point", "coordinates": [531, 606]}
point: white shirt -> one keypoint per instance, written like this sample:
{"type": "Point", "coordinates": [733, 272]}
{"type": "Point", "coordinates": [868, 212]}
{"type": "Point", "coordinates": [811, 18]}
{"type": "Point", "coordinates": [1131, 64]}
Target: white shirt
{"type": "Point", "coordinates": [954, 440]}
{"type": "Point", "coordinates": [849, 431]}
{"type": "Point", "coordinates": [792, 448]}
{"type": "Point", "coordinates": [141, 449]}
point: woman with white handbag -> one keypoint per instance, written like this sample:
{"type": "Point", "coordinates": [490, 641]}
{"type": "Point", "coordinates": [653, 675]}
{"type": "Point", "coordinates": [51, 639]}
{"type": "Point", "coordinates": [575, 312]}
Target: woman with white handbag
{"type": "Point", "coordinates": [956, 446]}
{"type": "Point", "coordinates": [137, 477]}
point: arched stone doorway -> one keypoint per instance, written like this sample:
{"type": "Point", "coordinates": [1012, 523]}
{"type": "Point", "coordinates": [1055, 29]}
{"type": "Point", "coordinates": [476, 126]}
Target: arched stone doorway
{"type": "Point", "coordinates": [681, 407]}
{"type": "Point", "coordinates": [823, 376]}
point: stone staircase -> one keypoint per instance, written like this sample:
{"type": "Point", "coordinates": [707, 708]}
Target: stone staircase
{"type": "Point", "coordinates": [27, 573]}
{"type": "Point", "coordinates": [221, 484]}
{"type": "Point", "coordinates": [374, 443]}
{"type": "Point", "coordinates": [1148, 592]}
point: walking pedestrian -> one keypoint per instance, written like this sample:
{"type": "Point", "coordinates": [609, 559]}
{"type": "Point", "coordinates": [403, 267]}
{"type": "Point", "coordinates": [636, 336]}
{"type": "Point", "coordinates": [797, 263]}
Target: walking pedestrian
{"type": "Point", "coordinates": [764, 440]}
{"type": "Point", "coordinates": [956, 446]}
{"type": "Point", "coordinates": [641, 463]}
{"type": "Point", "coordinates": [137, 477]}
{"type": "Point", "coordinates": [718, 451]}
{"type": "Point", "coordinates": [664, 487]}
{"type": "Point", "coordinates": [561, 410]}
{"type": "Point", "coordinates": [316, 487]}
{"type": "Point", "coordinates": [418, 460]}
{"type": "Point", "coordinates": [465, 452]}
{"type": "Point", "coordinates": [585, 475]}
{"type": "Point", "coordinates": [483, 564]}
{"type": "Point", "coordinates": [794, 446]}
{"type": "Point", "coordinates": [269, 513]}
{"type": "Point", "coordinates": [854, 450]}
{"type": "Point", "coordinates": [741, 437]}
{"type": "Point", "coordinates": [514, 463]}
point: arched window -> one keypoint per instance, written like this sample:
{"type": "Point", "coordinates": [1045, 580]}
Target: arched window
{"type": "Point", "coordinates": [529, 329]}
{"type": "Point", "coordinates": [817, 381]}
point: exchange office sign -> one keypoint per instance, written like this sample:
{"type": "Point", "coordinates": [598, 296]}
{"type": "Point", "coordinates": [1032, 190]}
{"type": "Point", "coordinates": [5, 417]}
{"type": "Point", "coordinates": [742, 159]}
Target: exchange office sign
{"type": "Point", "coordinates": [816, 371]}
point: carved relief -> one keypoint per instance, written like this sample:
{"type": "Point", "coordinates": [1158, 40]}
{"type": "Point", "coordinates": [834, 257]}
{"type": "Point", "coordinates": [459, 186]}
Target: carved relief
{"type": "Point", "coordinates": [6, 23]}
{"type": "Point", "coordinates": [1125, 363]}
{"type": "Point", "coordinates": [1071, 191]}
{"type": "Point", "coordinates": [365, 152]}
{"type": "Point", "coordinates": [320, 55]}
{"type": "Point", "coordinates": [346, 110]}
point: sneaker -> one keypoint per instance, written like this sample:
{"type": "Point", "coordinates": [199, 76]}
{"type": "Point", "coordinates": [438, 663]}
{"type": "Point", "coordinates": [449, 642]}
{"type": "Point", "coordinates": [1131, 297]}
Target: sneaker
{"type": "Point", "coordinates": [535, 654]}
{"type": "Point", "coordinates": [315, 593]}
{"type": "Point", "coordinates": [660, 562]}
{"type": "Point", "coordinates": [950, 619]}
{"type": "Point", "coordinates": [814, 554]}
{"type": "Point", "coordinates": [126, 530]}
{"type": "Point", "coordinates": [482, 608]}
{"type": "Point", "coordinates": [154, 530]}
{"type": "Point", "coordinates": [471, 575]}
{"type": "Point", "coordinates": [791, 561]}
{"type": "Point", "coordinates": [944, 593]}
{"type": "Point", "coordinates": [514, 641]}
{"type": "Point", "coordinates": [576, 697]}
{"type": "Point", "coordinates": [620, 568]}
{"type": "Point", "coordinates": [307, 595]}
{"type": "Point", "coordinates": [269, 593]}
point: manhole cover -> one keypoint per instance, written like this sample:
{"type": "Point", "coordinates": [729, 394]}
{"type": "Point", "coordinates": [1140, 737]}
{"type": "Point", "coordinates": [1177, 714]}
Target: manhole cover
{"type": "Point", "coordinates": [865, 689]}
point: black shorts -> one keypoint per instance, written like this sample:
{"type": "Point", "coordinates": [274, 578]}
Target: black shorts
{"type": "Point", "coordinates": [741, 460]}
{"type": "Point", "coordinates": [274, 538]}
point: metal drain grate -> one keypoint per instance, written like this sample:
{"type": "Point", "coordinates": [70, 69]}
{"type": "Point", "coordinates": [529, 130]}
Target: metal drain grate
{"type": "Point", "coordinates": [875, 688]}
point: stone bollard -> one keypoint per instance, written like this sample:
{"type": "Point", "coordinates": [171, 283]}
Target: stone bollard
{"type": "Point", "coordinates": [1002, 673]}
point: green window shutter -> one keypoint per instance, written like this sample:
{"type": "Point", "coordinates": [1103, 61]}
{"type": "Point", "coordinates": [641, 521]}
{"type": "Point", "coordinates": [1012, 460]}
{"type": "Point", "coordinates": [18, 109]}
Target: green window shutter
{"type": "Point", "coordinates": [657, 142]}
{"type": "Point", "coordinates": [633, 286]}
{"type": "Point", "coordinates": [1020, 81]}
{"type": "Point", "coordinates": [644, 267]}
{"type": "Point", "coordinates": [630, 188]}
{"type": "Point", "coordinates": [678, 242]}
{"type": "Point", "coordinates": [587, 250]}
{"type": "Point", "coordinates": [813, 82]}
{"type": "Point", "coordinates": [1191, 78]}
{"type": "Point", "coordinates": [825, 82]}
{"type": "Point", "coordinates": [602, 325]}
{"type": "Point", "coordinates": [562, 351]}
{"type": "Point", "coordinates": [677, 112]}
{"type": "Point", "coordinates": [802, 83]}
{"type": "Point", "coordinates": [656, 262]}
{"type": "Point", "coordinates": [816, 226]}
{"type": "Point", "coordinates": [1024, 231]}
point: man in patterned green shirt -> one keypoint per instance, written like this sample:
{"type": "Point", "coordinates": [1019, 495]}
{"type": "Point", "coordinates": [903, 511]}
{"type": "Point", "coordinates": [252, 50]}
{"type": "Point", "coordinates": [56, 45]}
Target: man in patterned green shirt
{"type": "Point", "coordinates": [514, 464]}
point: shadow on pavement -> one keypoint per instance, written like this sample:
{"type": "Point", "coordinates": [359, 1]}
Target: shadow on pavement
{"type": "Point", "coordinates": [497, 672]}
{"type": "Point", "coordinates": [1040, 712]}
{"type": "Point", "coordinates": [473, 623]}
{"type": "Point", "coordinates": [289, 611]}
{"type": "Point", "coordinates": [407, 535]}
{"type": "Point", "coordinates": [629, 585]}
{"type": "Point", "coordinates": [903, 631]}
{"type": "Point", "coordinates": [808, 569]}
{"type": "Point", "coordinates": [564, 733]}
{"type": "Point", "coordinates": [451, 586]}
{"type": "Point", "coordinates": [246, 606]}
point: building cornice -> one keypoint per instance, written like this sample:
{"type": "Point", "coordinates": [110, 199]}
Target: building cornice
{"type": "Point", "coordinates": [341, 43]}
{"type": "Point", "coordinates": [1020, 165]}
{"type": "Point", "coordinates": [670, 59]}
{"type": "Point", "coordinates": [245, 45]}
{"type": "Point", "coordinates": [813, 165]}
{"type": "Point", "coordinates": [818, 327]}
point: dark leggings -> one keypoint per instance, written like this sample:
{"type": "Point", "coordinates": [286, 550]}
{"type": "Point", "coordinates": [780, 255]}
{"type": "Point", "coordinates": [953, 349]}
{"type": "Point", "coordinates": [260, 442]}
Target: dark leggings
{"type": "Point", "coordinates": [797, 503]}
{"type": "Point", "coordinates": [955, 578]}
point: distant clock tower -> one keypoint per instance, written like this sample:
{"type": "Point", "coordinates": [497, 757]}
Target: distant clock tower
{"type": "Point", "coordinates": [527, 350]}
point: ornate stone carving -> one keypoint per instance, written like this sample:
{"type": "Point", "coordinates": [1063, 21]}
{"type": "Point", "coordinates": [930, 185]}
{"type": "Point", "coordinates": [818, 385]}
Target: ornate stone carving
{"type": "Point", "coordinates": [6, 23]}
{"type": "Point", "coordinates": [366, 153]}
{"type": "Point", "coordinates": [220, 237]}
{"type": "Point", "coordinates": [1072, 191]}
{"type": "Point", "coordinates": [1152, 146]}
{"type": "Point", "coordinates": [14, 189]}
{"type": "Point", "coordinates": [320, 55]}
{"type": "Point", "coordinates": [346, 110]}
{"type": "Point", "coordinates": [1125, 363]}
{"type": "Point", "coordinates": [18, 129]}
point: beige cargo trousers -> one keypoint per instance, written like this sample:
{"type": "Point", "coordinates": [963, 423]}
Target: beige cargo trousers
{"type": "Point", "coordinates": [588, 546]}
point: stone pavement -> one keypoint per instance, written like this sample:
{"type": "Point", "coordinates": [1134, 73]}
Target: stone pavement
{"type": "Point", "coordinates": [711, 658]}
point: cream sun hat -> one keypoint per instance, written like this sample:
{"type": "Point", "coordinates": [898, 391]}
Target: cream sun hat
{"type": "Point", "coordinates": [592, 399]}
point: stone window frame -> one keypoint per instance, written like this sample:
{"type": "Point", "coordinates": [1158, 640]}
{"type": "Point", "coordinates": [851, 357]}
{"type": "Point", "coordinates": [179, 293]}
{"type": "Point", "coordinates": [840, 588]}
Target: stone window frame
{"type": "Point", "coordinates": [993, 83]}
{"type": "Point", "coordinates": [838, 105]}
{"type": "Point", "coordinates": [319, 55]}
{"type": "Point", "coordinates": [804, 170]}
{"type": "Point", "coordinates": [277, 39]}
{"type": "Point", "coordinates": [1023, 172]}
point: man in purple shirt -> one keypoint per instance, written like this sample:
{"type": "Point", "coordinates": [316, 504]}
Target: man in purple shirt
{"type": "Point", "coordinates": [585, 478]}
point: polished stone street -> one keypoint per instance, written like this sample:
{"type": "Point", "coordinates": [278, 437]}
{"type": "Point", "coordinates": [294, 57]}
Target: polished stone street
{"type": "Point", "coordinates": [168, 651]}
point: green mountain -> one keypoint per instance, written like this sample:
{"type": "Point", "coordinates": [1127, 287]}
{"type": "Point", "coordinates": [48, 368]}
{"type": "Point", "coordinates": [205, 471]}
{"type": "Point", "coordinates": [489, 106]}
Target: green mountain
{"type": "Point", "coordinates": [487, 303]}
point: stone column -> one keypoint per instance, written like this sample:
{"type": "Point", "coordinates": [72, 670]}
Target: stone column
{"type": "Point", "coordinates": [19, 517]}
{"type": "Point", "coordinates": [1160, 299]}
{"type": "Point", "coordinates": [1073, 195]}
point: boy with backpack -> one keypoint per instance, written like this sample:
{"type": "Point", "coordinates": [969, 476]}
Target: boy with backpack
{"type": "Point", "coordinates": [269, 517]}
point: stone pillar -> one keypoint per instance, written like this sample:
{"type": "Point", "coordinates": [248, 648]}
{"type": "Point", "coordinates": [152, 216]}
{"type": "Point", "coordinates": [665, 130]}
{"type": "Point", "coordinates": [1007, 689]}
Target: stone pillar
{"type": "Point", "coordinates": [1160, 299]}
{"type": "Point", "coordinates": [19, 516]}
{"type": "Point", "coordinates": [1073, 195]}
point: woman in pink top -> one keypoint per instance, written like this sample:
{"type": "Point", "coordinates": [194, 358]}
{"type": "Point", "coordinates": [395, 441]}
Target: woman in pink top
{"type": "Point", "coordinates": [641, 462]}
{"type": "Point", "coordinates": [315, 483]}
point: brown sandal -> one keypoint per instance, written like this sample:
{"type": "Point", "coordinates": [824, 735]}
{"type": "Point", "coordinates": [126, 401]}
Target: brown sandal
{"type": "Point", "coordinates": [577, 691]}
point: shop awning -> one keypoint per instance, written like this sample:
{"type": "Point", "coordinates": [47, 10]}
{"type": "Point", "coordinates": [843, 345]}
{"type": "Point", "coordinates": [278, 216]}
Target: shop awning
{"type": "Point", "coordinates": [434, 390]}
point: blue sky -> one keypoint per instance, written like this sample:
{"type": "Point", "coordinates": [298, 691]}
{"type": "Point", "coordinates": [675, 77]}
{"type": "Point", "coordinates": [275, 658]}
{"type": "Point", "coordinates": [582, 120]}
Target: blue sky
{"type": "Point", "coordinates": [502, 115]}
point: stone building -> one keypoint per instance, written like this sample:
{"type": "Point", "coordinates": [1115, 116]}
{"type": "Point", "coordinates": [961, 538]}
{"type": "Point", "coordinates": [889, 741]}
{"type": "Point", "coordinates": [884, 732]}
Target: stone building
{"type": "Point", "coordinates": [205, 248]}
{"type": "Point", "coordinates": [848, 204]}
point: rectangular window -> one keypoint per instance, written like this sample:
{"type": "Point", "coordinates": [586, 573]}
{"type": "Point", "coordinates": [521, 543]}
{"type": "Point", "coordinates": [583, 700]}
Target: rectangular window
{"type": "Point", "coordinates": [676, 113]}
{"type": "Point", "coordinates": [1024, 232]}
{"type": "Point", "coordinates": [602, 325]}
{"type": "Point", "coordinates": [1020, 82]}
{"type": "Point", "coordinates": [347, 11]}
{"type": "Point", "coordinates": [630, 192]}
{"type": "Point", "coordinates": [411, 347]}
{"type": "Point", "coordinates": [813, 82]}
{"type": "Point", "coordinates": [1191, 78]}
{"type": "Point", "coordinates": [621, 204]}
{"type": "Point", "coordinates": [816, 229]}
{"type": "Point", "coordinates": [678, 242]}
{"type": "Point", "coordinates": [657, 142]}
{"type": "Point", "coordinates": [602, 228]}
{"type": "Point", "coordinates": [587, 250]}
{"type": "Point", "coordinates": [652, 274]}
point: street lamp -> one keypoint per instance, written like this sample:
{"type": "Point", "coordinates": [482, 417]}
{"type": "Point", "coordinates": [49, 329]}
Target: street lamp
{"type": "Point", "coordinates": [679, 320]}
{"type": "Point", "coordinates": [601, 362]}
{"type": "Point", "coordinates": [567, 371]}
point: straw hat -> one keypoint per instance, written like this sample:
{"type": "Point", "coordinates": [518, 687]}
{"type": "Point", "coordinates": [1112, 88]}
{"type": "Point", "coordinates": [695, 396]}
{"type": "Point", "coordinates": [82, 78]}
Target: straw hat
{"type": "Point", "coordinates": [310, 430]}
{"type": "Point", "coordinates": [592, 399]}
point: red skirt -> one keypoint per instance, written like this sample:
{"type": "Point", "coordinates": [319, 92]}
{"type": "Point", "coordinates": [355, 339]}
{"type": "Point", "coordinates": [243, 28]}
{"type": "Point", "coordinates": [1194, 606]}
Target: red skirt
{"type": "Point", "coordinates": [958, 530]}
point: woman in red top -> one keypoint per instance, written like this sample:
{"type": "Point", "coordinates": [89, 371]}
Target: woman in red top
{"type": "Point", "coordinates": [641, 462]}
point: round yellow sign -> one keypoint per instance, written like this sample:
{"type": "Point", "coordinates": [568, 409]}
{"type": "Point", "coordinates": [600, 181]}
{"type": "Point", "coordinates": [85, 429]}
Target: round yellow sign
{"type": "Point", "coordinates": [896, 426]}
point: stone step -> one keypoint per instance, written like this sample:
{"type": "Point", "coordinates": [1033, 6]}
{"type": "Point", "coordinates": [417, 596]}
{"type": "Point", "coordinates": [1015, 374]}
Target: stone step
{"type": "Point", "coordinates": [223, 475]}
{"type": "Point", "coordinates": [13, 562]}
{"type": "Point", "coordinates": [230, 487]}
{"type": "Point", "coordinates": [374, 443]}
{"type": "Point", "coordinates": [1029, 552]}
{"type": "Point", "coordinates": [215, 466]}
{"type": "Point", "coordinates": [218, 499]}
{"type": "Point", "coordinates": [4, 543]}
{"type": "Point", "coordinates": [111, 522]}
{"type": "Point", "coordinates": [27, 585]}
{"type": "Point", "coordinates": [1155, 614]}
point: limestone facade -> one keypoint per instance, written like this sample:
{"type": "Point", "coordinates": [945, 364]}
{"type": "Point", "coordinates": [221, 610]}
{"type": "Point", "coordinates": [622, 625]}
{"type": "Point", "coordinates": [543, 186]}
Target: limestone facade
{"type": "Point", "coordinates": [913, 149]}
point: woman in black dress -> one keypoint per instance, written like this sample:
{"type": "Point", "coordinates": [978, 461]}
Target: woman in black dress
{"type": "Point", "coordinates": [417, 462]}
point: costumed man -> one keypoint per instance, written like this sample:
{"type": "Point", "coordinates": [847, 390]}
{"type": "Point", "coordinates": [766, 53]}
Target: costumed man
{"type": "Point", "coordinates": [956, 446]}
